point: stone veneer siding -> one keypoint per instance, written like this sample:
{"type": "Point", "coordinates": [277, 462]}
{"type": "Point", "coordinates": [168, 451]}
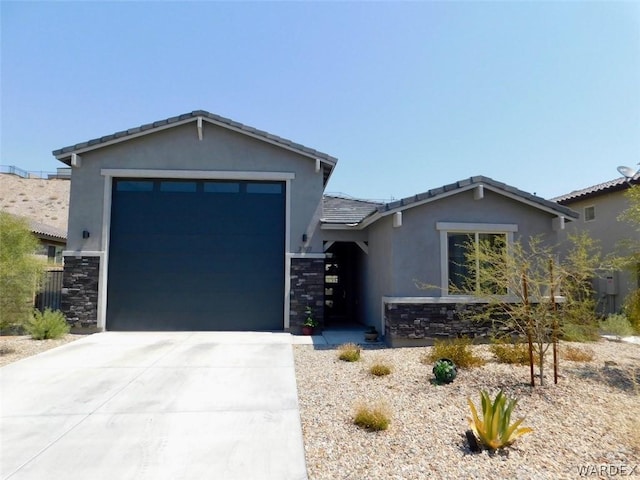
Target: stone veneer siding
{"type": "Point", "coordinates": [79, 300]}
{"type": "Point", "coordinates": [414, 324]}
{"type": "Point", "coordinates": [307, 289]}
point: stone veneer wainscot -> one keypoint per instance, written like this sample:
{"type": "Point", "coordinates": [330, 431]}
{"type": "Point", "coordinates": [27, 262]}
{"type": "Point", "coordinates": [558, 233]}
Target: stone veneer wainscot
{"type": "Point", "coordinates": [79, 300]}
{"type": "Point", "coordinates": [307, 289]}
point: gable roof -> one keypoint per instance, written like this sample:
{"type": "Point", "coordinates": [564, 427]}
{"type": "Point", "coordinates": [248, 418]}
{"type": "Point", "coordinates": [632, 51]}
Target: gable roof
{"type": "Point", "coordinates": [346, 210]}
{"type": "Point", "coordinates": [434, 194]}
{"type": "Point", "coordinates": [64, 154]}
{"type": "Point", "coordinates": [602, 188]}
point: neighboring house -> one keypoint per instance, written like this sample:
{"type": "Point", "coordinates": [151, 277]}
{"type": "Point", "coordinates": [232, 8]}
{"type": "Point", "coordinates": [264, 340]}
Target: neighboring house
{"type": "Point", "coordinates": [53, 241]}
{"type": "Point", "coordinates": [599, 207]}
{"type": "Point", "coordinates": [198, 222]}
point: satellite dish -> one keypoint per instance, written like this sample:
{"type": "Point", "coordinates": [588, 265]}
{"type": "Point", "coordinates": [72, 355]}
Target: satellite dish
{"type": "Point", "coordinates": [628, 172]}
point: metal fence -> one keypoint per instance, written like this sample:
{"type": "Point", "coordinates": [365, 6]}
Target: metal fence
{"type": "Point", "coordinates": [51, 291]}
{"type": "Point", "coordinates": [60, 173]}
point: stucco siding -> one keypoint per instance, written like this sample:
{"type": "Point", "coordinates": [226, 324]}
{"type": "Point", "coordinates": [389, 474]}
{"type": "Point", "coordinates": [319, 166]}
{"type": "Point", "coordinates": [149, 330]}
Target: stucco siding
{"type": "Point", "coordinates": [179, 148]}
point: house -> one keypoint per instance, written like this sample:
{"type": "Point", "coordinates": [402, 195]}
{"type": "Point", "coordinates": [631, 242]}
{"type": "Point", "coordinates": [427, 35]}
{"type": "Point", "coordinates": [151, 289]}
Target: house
{"type": "Point", "coordinates": [53, 241]}
{"type": "Point", "coordinates": [198, 222]}
{"type": "Point", "coordinates": [600, 206]}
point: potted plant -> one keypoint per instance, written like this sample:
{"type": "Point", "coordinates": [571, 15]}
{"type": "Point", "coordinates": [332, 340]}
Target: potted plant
{"type": "Point", "coordinates": [371, 334]}
{"type": "Point", "coordinates": [310, 323]}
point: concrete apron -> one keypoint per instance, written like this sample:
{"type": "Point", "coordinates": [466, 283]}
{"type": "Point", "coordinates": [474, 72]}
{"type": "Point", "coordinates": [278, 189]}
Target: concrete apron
{"type": "Point", "coordinates": [175, 405]}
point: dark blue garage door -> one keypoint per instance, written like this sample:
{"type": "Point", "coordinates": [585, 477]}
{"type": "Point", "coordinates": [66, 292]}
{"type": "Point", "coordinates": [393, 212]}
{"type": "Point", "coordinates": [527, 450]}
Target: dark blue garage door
{"type": "Point", "coordinates": [196, 255]}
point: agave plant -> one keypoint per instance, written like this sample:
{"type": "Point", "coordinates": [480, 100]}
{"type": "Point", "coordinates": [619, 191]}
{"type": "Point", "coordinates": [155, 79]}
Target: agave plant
{"type": "Point", "coordinates": [494, 430]}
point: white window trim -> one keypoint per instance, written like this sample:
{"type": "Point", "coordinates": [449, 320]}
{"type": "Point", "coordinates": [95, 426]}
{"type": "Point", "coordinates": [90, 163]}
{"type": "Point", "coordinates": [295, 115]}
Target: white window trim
{"type": "Point", "coordinates": [445, 228]}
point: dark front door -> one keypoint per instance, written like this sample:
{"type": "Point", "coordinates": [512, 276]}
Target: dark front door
{"type": "Point", "coordinates": [196, 255]}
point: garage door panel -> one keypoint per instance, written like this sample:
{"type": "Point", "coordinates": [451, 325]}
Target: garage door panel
{"type": "Point", "coordinates": [196, 260]}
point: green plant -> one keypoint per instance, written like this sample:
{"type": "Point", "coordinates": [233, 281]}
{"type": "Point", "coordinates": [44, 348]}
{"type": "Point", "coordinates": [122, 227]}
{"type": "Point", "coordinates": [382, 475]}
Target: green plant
{"type": "Point", "coordinates": [20, 270]}
{"type": "Point", "coordinates": [47, 324]}
{"type": "Point", "coordinates": [458, 350]}
{"type": "Point", "coordinates": [617, 324]}
{"type": "Point", "coordinates": [495, 429]}
{"type": "Point", "coordinates": [579, 332]}
{"type": "Point", "coordinates": [349, 352]}
{"type": "Point", "coordinates": [379, 369]}
{"type": "Point", "coordinates": [510, 351]}
{"type": "Point", "coordinates": [372, 418]}
{"type": "Point", "coordinates": [309, 321]}
{"type": "Point", "coordinates": [575, 354]}
{"type": "Point", "coordinates": [444, 370]}
{"type": "Point", "coordinates": [632, 309]}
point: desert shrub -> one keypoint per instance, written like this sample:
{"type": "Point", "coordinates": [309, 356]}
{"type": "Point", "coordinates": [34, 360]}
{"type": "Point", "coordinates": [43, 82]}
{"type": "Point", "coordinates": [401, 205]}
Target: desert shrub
{"type": "Point", "coordinates": [579, 332]}
{"type": "Point", "coordinates": [509, 351]}
{"type": "Point", "coordinates": [459, 350]}
{"type": "Point", "coordinates": [575, 354]}
{"type": "Point", "coordinates": [616, 324]}
{"type": "Point", "coordinates": [632, 309]}
{"type": "Point", "coordinates": [495, 429]}
{"type": "Point", "coordinates": [372, 418]}
{"type": "Point", "coordinates": [20, 271]}
{"type": "Point", "coordinates": [380, 369]}
{"type": "Point", "coordinates": [349, 352]}
{"type": "Point", "coordinates": [47, 325]}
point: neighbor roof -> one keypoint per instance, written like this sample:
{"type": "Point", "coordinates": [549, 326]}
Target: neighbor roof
{"type": "Point", "coordinates": [43, 230]}
{"type": "Point", "coordinates": [64, 154]}
{"type": "Point", "coordinates": [338, 209]}
{"type": "Point", "coordinates": [606, 187]}
{"type": "Point", "coordinates": [383, 209]}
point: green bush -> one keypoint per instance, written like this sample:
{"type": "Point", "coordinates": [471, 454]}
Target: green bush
{"type": "Point", "coordinates": [617, 324]}
{"type": "Point", "coordinates": [511, 352]}
{"type": "Point", "coordinates": [20, 270]}
{"type": "Point", "coordinates": [349, 352]}
{"type": "Point", "coordinates": [372, 418]}
{"type": "Point", "coordinates": [632, 309]}
{"type": "Point", "coordinates": [579, 332]}
{"type": "Point", "coordinates": [458, 350]}
{"type": "Point", "coordinates": [445, 371]}
{"type": "Point", "coordinates": [47, 325]}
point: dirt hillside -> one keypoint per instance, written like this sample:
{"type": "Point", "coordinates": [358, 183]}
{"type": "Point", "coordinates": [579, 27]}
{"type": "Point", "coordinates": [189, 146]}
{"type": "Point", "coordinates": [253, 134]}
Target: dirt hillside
{"type": "Point", "coordinates": [46, 201]}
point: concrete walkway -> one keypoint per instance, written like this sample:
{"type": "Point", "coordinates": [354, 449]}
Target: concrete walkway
{"type": "Point", "coordinates": [175, 405]}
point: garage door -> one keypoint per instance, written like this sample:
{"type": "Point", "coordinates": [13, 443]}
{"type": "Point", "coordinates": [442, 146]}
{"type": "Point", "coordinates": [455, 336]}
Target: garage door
{"type": "Point", "coordinates": [196, 255]}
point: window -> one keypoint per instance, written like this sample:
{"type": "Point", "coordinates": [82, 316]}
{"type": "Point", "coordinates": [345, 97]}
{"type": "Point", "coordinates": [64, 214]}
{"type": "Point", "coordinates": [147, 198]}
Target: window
{"type": "Point", "coordinates": [590, 213]}
{"type": "Point", "coordinates": [264, 188]}
{"type": "Point", "coordinates": [177, 186]}
{"type": "Point", "coordinates": [457, 242]}
{"type": "Point", "coordinates": [221, 187]}
{"type": "Point", "coordinates": [134, 185]}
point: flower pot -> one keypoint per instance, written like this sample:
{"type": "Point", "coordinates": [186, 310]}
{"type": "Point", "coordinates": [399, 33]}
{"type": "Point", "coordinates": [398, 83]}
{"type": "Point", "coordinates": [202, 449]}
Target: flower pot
{"type": "Point", "coordinates": [307, 330]}
{"type": "Point", "coordinates": [371, 336]}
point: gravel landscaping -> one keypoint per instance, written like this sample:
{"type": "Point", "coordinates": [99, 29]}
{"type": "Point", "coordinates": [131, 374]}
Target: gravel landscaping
{"type": "Point", "coordinates": [590, 419]}
{"type": "Point", "coordinates": [16, 347]}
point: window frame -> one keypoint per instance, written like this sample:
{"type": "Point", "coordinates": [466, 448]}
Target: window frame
{"type": "Point", "coordinates": [445, 228]}
{"type": "Point", "coordinates": [584, 212]}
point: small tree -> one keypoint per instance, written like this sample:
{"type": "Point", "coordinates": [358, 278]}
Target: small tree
{"type": "Point", "coordinates": [522, 283]}
{"type": "Point", "coordinates": [20, 270]}
{"type": "Point", "coordinates": [631, 259]}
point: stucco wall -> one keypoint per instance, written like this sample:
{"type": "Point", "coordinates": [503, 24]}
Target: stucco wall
{"type": "Point", "coordinates": [608, 231]}
{"type": "Point", "coordinates": [400, 257]}
{"type": "Point", "coordinates": [179, 148]}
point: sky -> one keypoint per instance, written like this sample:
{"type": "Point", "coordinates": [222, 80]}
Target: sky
{"type": "Point", "coordinates": [409, 96]}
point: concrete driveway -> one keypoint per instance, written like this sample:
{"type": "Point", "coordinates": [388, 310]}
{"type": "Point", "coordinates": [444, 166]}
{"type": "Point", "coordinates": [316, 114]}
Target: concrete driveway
{"type": "Point", "coordinates": [175, 405]}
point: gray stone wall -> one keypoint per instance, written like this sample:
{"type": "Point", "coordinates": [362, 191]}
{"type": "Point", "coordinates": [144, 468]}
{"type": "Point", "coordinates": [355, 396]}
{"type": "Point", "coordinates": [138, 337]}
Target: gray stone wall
{"type": "Point", "coordinates": [416, 324]}
{"type": "Point", "coordinates": [307, 289]}
{"type": "Point", "coordinates": [80, 292]}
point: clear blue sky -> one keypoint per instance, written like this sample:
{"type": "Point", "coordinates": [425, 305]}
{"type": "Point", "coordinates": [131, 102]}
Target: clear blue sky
{"type": "Point", "coordinates": [544, 96]}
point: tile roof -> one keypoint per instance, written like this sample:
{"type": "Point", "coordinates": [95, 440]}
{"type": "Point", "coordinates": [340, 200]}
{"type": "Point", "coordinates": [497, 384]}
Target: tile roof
{"type": "Point", "coordinates": [44, 230]}
{"type": "Point", "coordinates": [64, 154]}
{"type": "Point", "coordinates": [473, 181]}
{"type": "Point", "coordinates": [346, 210]}
{"type": "Point", "coordinates": [599, 189]}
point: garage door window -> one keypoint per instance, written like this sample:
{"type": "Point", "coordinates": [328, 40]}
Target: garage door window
{"type": "Point", "coordinates": [268, 188]}
{"type": "Point", "coordinates": [134, 186]}
{"type": "Point", "coordinates": [182, 187]}
{"type": "Point", "coordinates": [221, 187]}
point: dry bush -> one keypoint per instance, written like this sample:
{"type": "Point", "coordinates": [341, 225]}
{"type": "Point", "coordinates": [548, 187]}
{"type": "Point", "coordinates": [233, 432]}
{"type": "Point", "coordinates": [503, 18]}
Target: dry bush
{"type": "Point", "coordinates": [576, 354]}
{"type": "Point", "coordinates": [380, 369]}
{"type": "Point", "coordinates": [372, 417]}
{"type": "Point", "coordinates": [349, 352]}
{"type": "Point", "coordinates": [459, 350]}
